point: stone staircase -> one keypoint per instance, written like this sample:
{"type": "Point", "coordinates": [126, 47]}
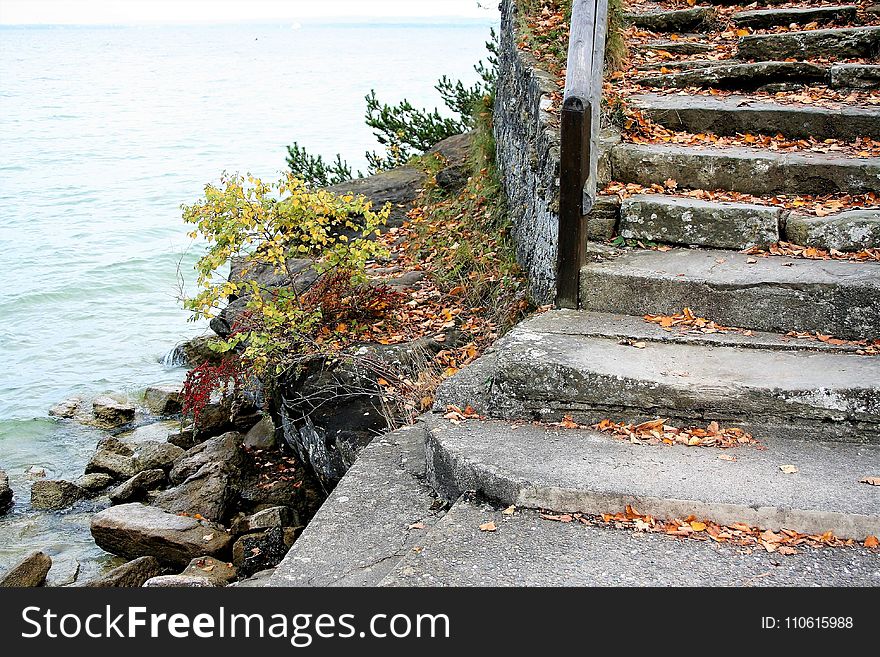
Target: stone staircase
{"type": "Point", "coordinates": [787, 353]}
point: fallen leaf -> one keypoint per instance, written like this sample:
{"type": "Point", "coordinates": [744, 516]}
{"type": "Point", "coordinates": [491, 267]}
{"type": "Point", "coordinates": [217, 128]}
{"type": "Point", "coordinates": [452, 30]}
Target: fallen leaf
{"type": "Point", "coordinates": [509, 510]}
{"type": "Point", "coordinates": [417, 525]}
{"type": "Point", "coordinates": [698, 526]}
{"type": "Point", "coordinates": [788, 469]}
{"type": "Point", "coordinates": [727, 457]}
{"type": "Point", "coordinates": [488, 527]}
{"type": "Point", "coordinates": [871, 481]}
{"type": "Point", "coordinates": [872, 542]}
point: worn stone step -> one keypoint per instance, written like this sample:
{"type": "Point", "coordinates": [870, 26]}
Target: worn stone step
{"type": "Point", "coordinates": [855, 76]}
{"type": "Point", "coordinates": [773, 293]}
{"type": "Point", "coordinates": [730, 115]}
{"type": "Point", "coordinates": [747, 170]}
{"type": "Point", "coordinates": [549, 367]}
{"type": "Point", "coordinates": [837, 43]}
{"type": "Point", "coordinates": [366, 525]}
{"type": "Point", "coordinates": [852, 230]}
{"type": "Point", "coordinates": [764, 18]}
{"type": "Point", "coordinates": [741, 76]}
{"type": "Point", "coordinates": [675, 21]}
{"type": "Point", "coordinates": [584, 471]}
{"type": "Point", "coordinates": [682, 65]}
{"type": "Point", "coordinates": [527, 550]}
{"type": "Point", "coordinates": [679, 47]}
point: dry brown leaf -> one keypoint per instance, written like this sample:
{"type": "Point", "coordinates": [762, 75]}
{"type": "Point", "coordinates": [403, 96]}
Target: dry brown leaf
{"type": "Point", "coordinates": [488, 527]}
{"type": "Point", "coordinates": [788, 469]}
{"type": "Point", "coordinates": [871, 481]}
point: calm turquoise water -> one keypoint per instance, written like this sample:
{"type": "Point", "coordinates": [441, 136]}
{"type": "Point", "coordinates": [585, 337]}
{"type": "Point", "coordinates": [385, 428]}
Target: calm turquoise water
{"type": "Point", "coordinates": [104, 132]}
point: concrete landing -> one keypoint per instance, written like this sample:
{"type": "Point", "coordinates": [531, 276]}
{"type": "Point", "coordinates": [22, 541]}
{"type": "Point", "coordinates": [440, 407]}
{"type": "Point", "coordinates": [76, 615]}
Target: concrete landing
{"type": "Point", "coordinates": [585, 471]}
{"type": "Point", "coordinates": [366, 525]}
{"type": "Point", "coordinates": [528, 551]}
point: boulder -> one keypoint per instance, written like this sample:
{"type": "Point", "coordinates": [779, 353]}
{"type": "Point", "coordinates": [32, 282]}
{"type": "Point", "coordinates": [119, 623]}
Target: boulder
{"type": "Point", "coordinates": [195, 352]}
{"type": "Point", "coordinates": [209, 492]}
{"type": "Point", "coordinates": [275, 516]}
{"type": "Point", "coordinates": [156, 432]}
{"type": "Point", "coordinates": [219, 572]}
{"type": "Point", "coordinates": [122, 460]}
{"type": "Point", "coordinates": [55, 494]}
{"type": "Point", "coordinates": [164, 399]}
{"type": "Point", "coordinates": [261, 435]}
{"type": "Point", "coordinates": [135, 488]}
{"type": "Point", "coordinates": [6, 494]}
{"type": "Point", "coordinates": [259, 551]}
{"type": "Point", "coordinates": [94, 483]}
{"type": "Point", "coordinates": [27, 573]}
{"type": "Point", "coordinates": [184, 438]}
{"type": "Point", "coordinates": [134, 530]}
{"type": "Point", "coordinates": [129, 575]}
{"type": "Point", "coordinates": [110, 413]}
{"type": "Point", "coordinates": [224, 449]}
{"type": "Point", "coordinates": [178, 581]}
{"type": "Point", "coordinates": [257, 580]}
{"type": "Point", "coordinates": [64, 572]}
{"type": "Point", "coordinates": [67, 409]}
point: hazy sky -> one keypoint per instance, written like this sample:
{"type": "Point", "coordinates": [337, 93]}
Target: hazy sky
{"type": "Point", "coordinates": [171, 11]}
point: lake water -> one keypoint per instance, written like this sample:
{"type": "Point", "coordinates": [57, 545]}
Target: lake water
{"type": "Point", "coordinates": [104, 132]}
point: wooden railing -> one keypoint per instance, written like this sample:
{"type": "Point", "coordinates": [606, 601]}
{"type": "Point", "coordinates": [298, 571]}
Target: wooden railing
{"type": "Point", "coordinates": [579, 142]}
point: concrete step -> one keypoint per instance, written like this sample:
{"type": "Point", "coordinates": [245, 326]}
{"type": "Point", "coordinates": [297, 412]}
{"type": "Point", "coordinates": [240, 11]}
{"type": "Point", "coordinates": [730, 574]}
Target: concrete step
{"type": "Point", "coordinates": [548, 367]}
{"type": "Point", "coordinates": [526, 550]}
{"type": "Point", "coordinates": [676, 21]}
{"type": "Point", "coordinates": [764, 18]}
{"type": "Point", "coordinates": [377, 512]}
{"type": "Point", "coordinates": [741, 76]}
{"type": "Point", "coordinates": [722, 225]}
{"type": "Point", "coordinates": [837, 43]}
{"type": "Point", "coordinates": [774, 293]}
{"type": "Point", "coordinates": [584, 471]}
{"type": "Point", "coordinates": [758, 172]}
{"type": "Point", "coordinates": [730, 115]}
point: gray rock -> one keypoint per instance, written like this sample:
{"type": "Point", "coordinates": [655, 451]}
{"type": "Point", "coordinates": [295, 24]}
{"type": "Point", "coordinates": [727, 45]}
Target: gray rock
{"type": "Point", "coordinates": [135, 488]}
{"type": "Point", "coordinates": [603, 217]}
{"type": "Point", "coordinates": [258, 551]}
{"type": "Point", "coordinates": [855, 76]}
{"type": "Point", "coordinates": [135, 530]}
{"type": "Point", "coordinates": [178, 581]}
{"type": "Point", "coordinates": [55, 494]}
{"type": "Point", "coordinates": [153, 432]}
{"type": "Point", "coordinates": [210, 492]}
{"type": "Point", "coordinates": [129, 575]}
{"type": "Point", "coordinates": [261, 435]}
{"type": "Point", "coordinates": [744, 170]}
{"type": "Point", "coordinates": [225, 450]}
{"type": "Point", "coordinates": [94, 483]}
{"type": "Point", "coordinates": [764, 18]}
{"type": "Point", "coordinates": [197, 351]}
{"type": "Point", "coordinates": [747, 76]}
{"type": "Point", "coordinates": [184, 438]}
{"type": "Point", "coordinates": [6, 494]}
{"type": "Point", "coordinates": [31, 571]}
{"type": "Point", "coordinates": [67, 409]}
{"type": "Point", "coordinates": [854, 230]}
{"type": "Point", "coordinates": [64, 572]}
{"type": "Point", "coordinates": [678, 20]}
{"type": "Point", "coordinates": [838, 43]}
{"type": "Point", "coordinates": [219, 572]}
{"type": "Point", "coordinates": [679, 47]}
{"type": "Point", "coordinates": [110, 413]}
{"type": "Point", "coordinates": [164, 399]}
{"type": "Point", "coordinates": [257, 580]}
{"type": "Point", "coordinates": [276, 516]}
{"type": "Point", "coordinates": [123, 460]}
{"type": "Point", "coordinates": [686, 221]}
{"type": "Point", "coordinates": [214, 419]}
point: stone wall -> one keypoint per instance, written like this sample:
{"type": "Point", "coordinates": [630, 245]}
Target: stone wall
{"type": "Point", "coordinates": [527, 148]}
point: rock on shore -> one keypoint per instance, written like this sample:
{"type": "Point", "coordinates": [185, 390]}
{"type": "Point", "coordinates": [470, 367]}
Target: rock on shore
{"type": "Point", "coordinates": [29, 572]}
{"type": "Point", "coordinates": [135, 530]}
{"type": "Point", "coordinates": [5, 492]}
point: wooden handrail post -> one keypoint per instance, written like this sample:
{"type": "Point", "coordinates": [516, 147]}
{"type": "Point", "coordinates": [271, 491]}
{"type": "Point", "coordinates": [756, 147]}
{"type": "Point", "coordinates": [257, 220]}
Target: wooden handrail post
{"type": "Point", "coordinates": [579, 135]}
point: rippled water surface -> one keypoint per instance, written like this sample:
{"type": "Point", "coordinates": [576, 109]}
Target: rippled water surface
{"type": "Point", "coordinates": [104, 132]}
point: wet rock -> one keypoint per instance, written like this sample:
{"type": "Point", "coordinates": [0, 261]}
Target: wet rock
{"type": "Point", "coordinates": [129, 575]}
{"type": "Point", "coordinates": [67, 409]}
{"type": "Point", "coordinates": [55, 494]}
{"type": "Point", "coordinates": [135, 488]}
{"type": "Point", "coordinates": [5, 492]}
{"type": "Point", "coordinates": [110, 413]}
{"type": "Point", "coordinates": [164, 399]}
{"type": "Point", "coordinates": [225, 449]}
{"type": "Point", "coordinates": [259, 551]}
{"type": "Point", "coordinates": [220, 573]}
{"type": "Point", "coordinates": [210, 492]}
{"type": "Point", "coordinates": [134, 530]}
{"type": "Point", "coordinates": [178, 581]}
{"type": "Point", "coordinates": [677, 21]}
{"type": "Point", "coordinates": [94, 483]}
{"type": "Point", "coordinates": [155, 432]}
{"type": "Point", "coordinates": [261, 435]}
{"type": "Point", "coordinates": [197, 351]}
{"type": "Point", "coordinates": [36, 472]}
{"type": "Point", "coordinates": [27, 573]}
{"type": "Point", "coordinates": [123, 460]}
